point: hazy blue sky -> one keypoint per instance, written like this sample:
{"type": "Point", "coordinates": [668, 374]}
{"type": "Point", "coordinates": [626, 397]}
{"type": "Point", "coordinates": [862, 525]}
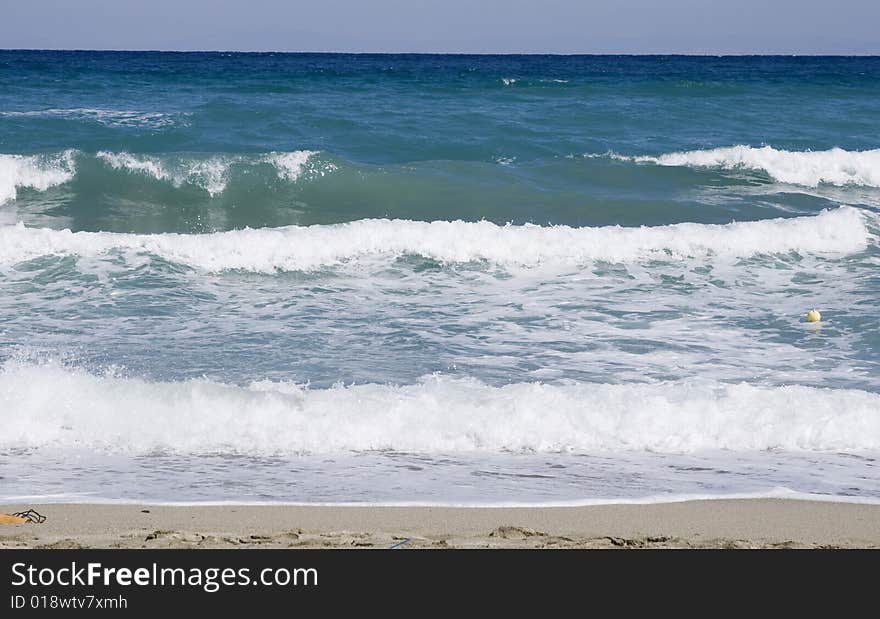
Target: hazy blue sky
{"type": "Point", "coordinates": [560, 26]}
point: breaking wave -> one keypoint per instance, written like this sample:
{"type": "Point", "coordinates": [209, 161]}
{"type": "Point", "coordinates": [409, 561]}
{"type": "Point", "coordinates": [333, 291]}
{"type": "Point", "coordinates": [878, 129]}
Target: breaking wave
{"type": "Point", "coordinates": [290, 165]}
{"type": "Point", "coordinates": [34, 172]}
{"type": "Point", "coordinates": [58, 407]}
{"type": "Point", "coordinates": [809, 168]}
{"type": "Point", "coordinates": [293, 248]}
{"type": "Point", "coordinates": [209, 174]}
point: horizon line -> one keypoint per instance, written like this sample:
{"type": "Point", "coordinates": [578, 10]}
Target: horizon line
{"type": "Point", "coordinates": [436, 53]}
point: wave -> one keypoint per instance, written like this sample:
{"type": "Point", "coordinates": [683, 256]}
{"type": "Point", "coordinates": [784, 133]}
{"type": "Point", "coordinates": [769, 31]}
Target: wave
{"type": "Point", "coordinates": [58, 407]}
{"type": "Point", "coordinates": [209, 174]}
{"type": "Point", "coordinates": [117, 173]}
{"type": "Point", "coordinates": [511, 81]}
{"type": "Point", "coordinates": [35, 172]}
{"type": "Point", "coordinates": [809, 168]}
{"type": "Point", "coordinates": [297, 248]}
{"type": "Point", "coordinates": [290, 165]}
{"type": "Point", "coordinates": [102, 116]}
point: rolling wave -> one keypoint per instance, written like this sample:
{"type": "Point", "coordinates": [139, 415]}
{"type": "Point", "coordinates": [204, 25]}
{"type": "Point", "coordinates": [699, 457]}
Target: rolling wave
{"type": "Point", "coordinates": [297, 248]}
{"type": "Point", "coordinates": [808, 168]}
{"type": "Point", "coordinates": [59, 407]}
{"type": "Point", "coordinates": [214, 173]}
{"type": "Point", "coordinates": [290, 165]}
{"type": "Point", "coordinates": [210, 173]}
{"type": "Point", "coordinates": [39, 172]}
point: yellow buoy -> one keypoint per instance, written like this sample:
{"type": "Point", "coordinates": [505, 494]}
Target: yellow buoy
{"type": "Point", "coordinates": [814, 316]}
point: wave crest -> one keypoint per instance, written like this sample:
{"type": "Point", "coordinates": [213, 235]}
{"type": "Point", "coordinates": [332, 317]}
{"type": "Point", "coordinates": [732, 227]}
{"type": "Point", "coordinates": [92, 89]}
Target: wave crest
{"type": "Point", "coordinates": [290, 165]}
{"type": "Point", "coordinates": [212, 174]}
{"type": "Point", "coordinates": [809, 168]}
{"type": "Point", "coordinates": [209, 174]}
{"type": "Point", "coordinates": [53, 406]}
{"type": "Point", "coordinates": [294, 248]}
{"type": "Point", "coordinates": [34, 172]}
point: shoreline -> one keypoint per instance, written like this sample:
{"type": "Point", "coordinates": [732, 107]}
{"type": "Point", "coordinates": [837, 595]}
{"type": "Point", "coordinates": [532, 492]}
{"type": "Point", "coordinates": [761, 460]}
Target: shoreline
{"type": "Point", "coordinates": [713, 523]}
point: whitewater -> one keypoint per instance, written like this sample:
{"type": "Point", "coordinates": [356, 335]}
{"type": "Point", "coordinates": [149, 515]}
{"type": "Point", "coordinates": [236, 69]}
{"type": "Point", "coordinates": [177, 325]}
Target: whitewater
{"type": "Point", "coordinates": [809, 168]}
{"type": "Point", "coordinates": [838, 231]}
{"type": "Point", "coordinates": [63, 408]}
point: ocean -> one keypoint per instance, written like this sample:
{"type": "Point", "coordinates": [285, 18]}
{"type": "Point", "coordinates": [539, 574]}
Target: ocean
{"type": "Point", "coordinates": [321, 278]}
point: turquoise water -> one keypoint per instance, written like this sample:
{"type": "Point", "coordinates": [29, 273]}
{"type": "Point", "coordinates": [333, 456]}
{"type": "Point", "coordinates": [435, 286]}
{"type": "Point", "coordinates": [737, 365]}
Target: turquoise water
{"type": "Point", "coordinates": [294, 277]}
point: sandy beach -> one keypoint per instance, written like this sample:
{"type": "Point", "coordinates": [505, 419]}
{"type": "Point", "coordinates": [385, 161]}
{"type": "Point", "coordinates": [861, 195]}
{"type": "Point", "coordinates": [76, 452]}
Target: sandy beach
{"type": "Point", "coordinates": [736, 523]}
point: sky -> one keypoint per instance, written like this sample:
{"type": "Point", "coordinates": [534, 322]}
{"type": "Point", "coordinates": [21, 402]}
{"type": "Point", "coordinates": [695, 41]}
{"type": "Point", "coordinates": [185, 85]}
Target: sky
{"type": "Point", "coordinates": [449, 26]}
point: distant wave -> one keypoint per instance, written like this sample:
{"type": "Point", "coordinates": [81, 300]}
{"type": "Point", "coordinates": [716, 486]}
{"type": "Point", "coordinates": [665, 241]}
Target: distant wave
{"type": "Point", "coordinates": [511, 81]}
{"type": "Point", "coordinates": [839, 231]}
{"type": "Point", "coordinates": [35, 172]}
{"type": "Point", "coordinates": [103, 116]}
{"type": "Point", "coordinates": [58, 407]}
{"type": "Point", "coordinates": [808, 168]}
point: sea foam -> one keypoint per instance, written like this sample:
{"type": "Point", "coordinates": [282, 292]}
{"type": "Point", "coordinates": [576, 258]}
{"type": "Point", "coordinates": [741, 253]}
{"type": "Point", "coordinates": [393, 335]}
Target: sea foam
{"type": "Point", "coordinates": [289, 165]}
{"type": "Point", "coordinates": [38, 172]}
{"type": "Point", "coordinates": [209, 174]}
{"type": "Point", "coordinates": [839, 231]}
{"type": "Point", "coordinates": [58, 407]}
{"type": "Point", "coordinates": [809, 168]}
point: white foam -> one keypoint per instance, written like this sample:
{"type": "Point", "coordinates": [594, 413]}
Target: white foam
{"type": "Point", "coordinates": [837, 232]}
{"type": "Point", "coordinates": [126, 161]}
{"type": "Point", "coordinates": [209, 174]}
{"type": "Point", "coordinates": [52, 406]}
{"type": "Point", "coordinates": [289, 165]}
{"type": "Point", "coordinates": [809, 168]}
{"type": "Point", "coordinates": [779, 492]}
{"type": "Point", "coordinates": [34, 171]}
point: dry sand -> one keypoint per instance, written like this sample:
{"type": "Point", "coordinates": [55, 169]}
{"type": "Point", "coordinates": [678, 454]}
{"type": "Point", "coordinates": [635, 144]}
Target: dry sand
{"type": "Point", "coordinates": [740, 523]}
